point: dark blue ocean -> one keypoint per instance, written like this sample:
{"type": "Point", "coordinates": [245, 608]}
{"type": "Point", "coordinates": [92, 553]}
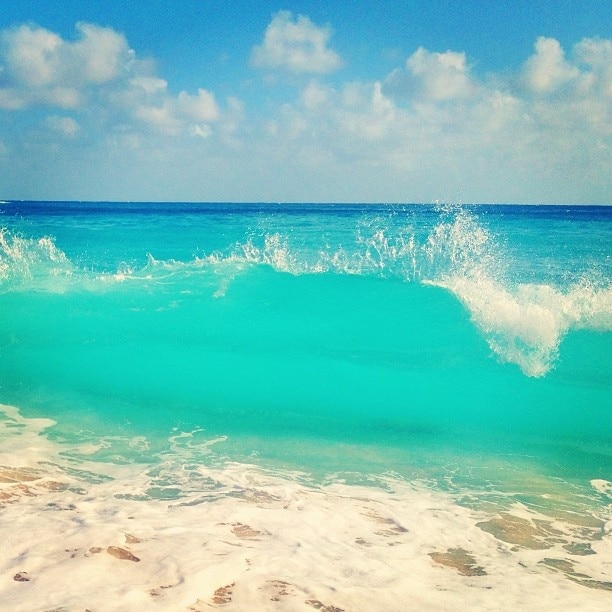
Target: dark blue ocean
{"type": "Point", "coordinates": [463, 352]}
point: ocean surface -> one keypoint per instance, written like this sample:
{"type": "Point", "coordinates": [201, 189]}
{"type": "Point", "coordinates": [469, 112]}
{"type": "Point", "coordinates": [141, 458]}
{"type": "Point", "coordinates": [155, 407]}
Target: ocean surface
{"type": "Point", "coordinates": [332, 406]}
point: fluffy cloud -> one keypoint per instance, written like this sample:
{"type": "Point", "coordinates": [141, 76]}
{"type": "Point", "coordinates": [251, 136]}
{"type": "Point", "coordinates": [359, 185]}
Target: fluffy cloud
{"type": "Point", "coordinates": [99, 74]}
{"type": "Point", "coordinates": [597, 55]}
{"type": "Point", "coordinates": [298, 46]}
{"type": "Point", "coordinates": [432, 128]}
{"type": "Point", "coordinates": [432, 76]}
{"type": "Point", "coordinates": [543, 130]}
{"type": "Point", "coordinates": [39, 67]}
{"type": "Point", "coordinates": [547, 69]}
{"type": "Point", "coordinates": [171, 115]}
{"type": "Point", "coordinates": [314, 95]}
{"type": "Point", "coordinates": [569, 100]}
{"type": "Point", "coordinates": [198, 108]}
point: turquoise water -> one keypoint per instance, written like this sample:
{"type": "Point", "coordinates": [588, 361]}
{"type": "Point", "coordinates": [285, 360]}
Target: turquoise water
{"type": "Point", "coordinates": [467, 346]}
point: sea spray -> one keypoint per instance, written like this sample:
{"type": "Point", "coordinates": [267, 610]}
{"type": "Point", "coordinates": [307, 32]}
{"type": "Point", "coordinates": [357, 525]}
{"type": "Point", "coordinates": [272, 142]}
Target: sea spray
{"type": "Point", "coordinates": [523, 323]}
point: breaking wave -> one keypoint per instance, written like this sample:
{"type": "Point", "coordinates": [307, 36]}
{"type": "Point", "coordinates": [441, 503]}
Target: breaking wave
{"type": "Point", "coordinates": [523, 323]}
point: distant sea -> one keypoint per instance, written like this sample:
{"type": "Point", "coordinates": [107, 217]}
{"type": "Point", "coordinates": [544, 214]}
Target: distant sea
{"type": "Point", "coordinates": [299, 406]}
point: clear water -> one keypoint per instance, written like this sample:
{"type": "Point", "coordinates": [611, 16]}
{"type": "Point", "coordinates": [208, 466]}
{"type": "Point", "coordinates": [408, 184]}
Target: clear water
{"type": "Point", "coordinates": [467, 348]}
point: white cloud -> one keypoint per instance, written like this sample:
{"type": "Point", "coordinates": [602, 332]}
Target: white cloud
{"type": "Point", "coordinates": [100, 54]}
{"type": "Point", "coordinates": [433, 128]}
{"type": "Point", "coordinates": [571, 98]}
{"type": "Point", "coordinates": [597, 55]}
{"type": "Point", "coordinates": [547, 69]}
{"type": "Point", "coordinates": [298, 46]}
{"type": "Point", "coordinates": [148, 84]}
{"type": "Point", "coordinates": [174, 115]}
{"type": "Point", "coordinates": [435, 125]}
{"type": "Point", "coordinates": [444, 76]}
{"type": "Point", "coordinates": [198, 108]}
{"type": "Point", "coordinates": [32, 56]}
{"type": "Point", "coordinates": [98, 74]}
{"type": "Point", "coordinates": [595, 82]}
{"type": "Point", "coordinates": [432, 76]}
{"type": "Point", "coordinates": [366, 113]}
{"type": "Point", "coordinates": [161, 117]}
{"type": "Point", "coordinates": [39, 67]}
{"type": "Point", "coordinates": [314, 95]}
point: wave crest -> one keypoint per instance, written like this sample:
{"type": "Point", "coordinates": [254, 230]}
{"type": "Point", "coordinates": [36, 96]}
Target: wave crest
{"type": "Point", "coordinates": [523, 323]}
{"type": "Point", "coordinates": [30, 259]}
{"type": "Point", "coordinates": [526, 326]}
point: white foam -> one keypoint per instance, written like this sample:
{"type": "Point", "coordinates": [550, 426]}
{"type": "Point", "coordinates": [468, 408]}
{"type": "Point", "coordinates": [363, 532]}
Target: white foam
{"type": "Point", "coordinates": [603, 486]}
{"type": "Point", "coordinates": [525, 326]}
{"type": "Point", "coordinates": [247, 538]}
{"type": "Point", "coordinates": [523, 323]}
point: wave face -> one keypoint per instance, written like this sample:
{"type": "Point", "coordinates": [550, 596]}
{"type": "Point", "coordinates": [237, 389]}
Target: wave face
{"type": "Point", "coordinates": [522, 308]}
{"type": "Point", "coordinates": [338, 322]}
{"type": "Point", "coordinates": [442, 375]}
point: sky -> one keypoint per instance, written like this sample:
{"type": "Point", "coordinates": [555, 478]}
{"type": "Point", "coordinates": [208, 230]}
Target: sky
{"type": "Point", "coordinates": [233, 100]}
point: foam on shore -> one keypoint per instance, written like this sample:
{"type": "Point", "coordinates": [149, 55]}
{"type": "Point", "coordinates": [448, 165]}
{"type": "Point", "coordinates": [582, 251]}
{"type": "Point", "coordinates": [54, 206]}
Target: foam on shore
{"type": "Point", "coordinates": [81, 534]}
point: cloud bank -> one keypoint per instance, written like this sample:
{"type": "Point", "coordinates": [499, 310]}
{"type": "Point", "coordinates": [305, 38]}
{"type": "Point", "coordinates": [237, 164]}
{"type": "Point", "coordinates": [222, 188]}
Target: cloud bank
{"type": "Point", "coordinates": [88, 118]}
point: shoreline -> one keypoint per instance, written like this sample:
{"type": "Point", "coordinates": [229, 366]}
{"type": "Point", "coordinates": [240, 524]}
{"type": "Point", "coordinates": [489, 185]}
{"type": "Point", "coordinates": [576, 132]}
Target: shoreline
{"type": "Point", "coordinates": [82, 534]}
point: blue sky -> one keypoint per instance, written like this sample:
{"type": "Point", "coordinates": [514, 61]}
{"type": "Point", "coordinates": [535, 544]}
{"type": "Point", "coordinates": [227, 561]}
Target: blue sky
{"type": "Point", "coordinates": [474, 101]}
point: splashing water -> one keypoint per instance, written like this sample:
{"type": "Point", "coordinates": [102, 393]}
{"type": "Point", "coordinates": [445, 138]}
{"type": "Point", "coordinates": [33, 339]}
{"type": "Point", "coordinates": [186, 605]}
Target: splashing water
{"type": "Point", "coordinates": [523, 323]}
{"type": "Point", "coordinates": [28, 259]}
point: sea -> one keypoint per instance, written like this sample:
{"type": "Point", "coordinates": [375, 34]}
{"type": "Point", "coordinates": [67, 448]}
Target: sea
{"type": "Point", "coordinates": [305, 406]}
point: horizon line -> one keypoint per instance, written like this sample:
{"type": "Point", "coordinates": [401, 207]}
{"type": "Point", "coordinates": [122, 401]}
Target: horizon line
{"type": "Point", "coordinates": [300, 202]}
